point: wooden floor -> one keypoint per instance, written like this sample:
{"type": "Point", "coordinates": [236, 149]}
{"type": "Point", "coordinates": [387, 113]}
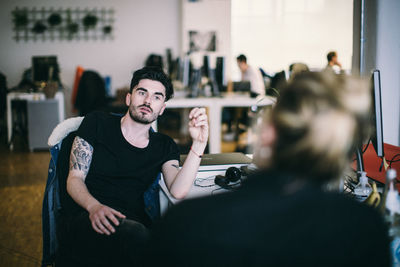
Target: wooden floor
{"type": "Point", "coordinates": [23, 175]}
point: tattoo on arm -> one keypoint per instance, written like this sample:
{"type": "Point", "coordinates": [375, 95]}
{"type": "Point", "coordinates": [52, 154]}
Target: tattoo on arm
{"type": "Point", "coordinates": [176, 166]}
{"type": "Point", "coordinates": [81, 155]}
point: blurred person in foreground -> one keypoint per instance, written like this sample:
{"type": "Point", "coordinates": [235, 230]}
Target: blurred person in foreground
{"type": "Point", "coordinates": [283, 216]}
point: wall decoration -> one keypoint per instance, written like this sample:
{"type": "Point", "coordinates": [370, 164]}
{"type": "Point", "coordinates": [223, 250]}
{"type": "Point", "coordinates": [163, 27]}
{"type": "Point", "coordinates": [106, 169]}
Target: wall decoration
{"type": "Point", "coordinates": [49, 24]}
{"type": "Point", "coordinates": [202, 41]}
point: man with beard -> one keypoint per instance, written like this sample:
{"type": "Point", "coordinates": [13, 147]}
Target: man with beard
{"type": "Point", "coordinates": [113, 161]}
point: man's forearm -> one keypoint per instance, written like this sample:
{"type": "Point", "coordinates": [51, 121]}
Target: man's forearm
{"type": "Point", "coordinates": [187, 174]}
{"type": "Point", "coordinates": [77, 189]}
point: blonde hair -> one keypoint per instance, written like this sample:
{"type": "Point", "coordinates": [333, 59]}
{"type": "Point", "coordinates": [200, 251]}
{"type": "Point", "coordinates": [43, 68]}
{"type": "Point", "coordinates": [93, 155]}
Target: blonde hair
{"type": "Point", "coordinates": [319, 120]}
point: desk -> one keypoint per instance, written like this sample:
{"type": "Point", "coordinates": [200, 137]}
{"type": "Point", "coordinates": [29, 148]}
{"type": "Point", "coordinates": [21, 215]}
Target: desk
{"type": "Point", "coordinates": [215, 105]}
{"type": "Point", "coordinates": [31, 96]}
{"type": "Point", "coordinates": [372, 163]}
{"type": "Point", "coordinates": [203, 185]}
{"type": "Point", "coordinates": [166, 199]}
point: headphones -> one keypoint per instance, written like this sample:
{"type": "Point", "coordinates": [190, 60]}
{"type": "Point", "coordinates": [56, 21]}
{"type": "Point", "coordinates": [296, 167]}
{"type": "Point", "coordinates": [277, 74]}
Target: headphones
{"type": "Point", "coordinates": [232, 175]}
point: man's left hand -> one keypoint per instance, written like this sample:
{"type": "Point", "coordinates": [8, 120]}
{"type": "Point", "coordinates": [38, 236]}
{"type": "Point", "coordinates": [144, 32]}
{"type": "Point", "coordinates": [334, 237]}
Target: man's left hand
{"type": "Point", "coordinates": [198, 125]}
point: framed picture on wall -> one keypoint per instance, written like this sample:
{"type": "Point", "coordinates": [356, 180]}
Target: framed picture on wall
{"type": "Point", "coordinates": [202, 41]}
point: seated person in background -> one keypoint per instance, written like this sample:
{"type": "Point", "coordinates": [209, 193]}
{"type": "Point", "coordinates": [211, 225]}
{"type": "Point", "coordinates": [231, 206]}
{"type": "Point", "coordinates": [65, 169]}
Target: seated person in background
{"type": "Point", "coordinates": [333, 63]}
{"type": "Point", "coordinates": [113, 161]}
{"type": "Point", "coordinates": [257, 86]}
{"type": "Point", "coordinates": [282, 216]}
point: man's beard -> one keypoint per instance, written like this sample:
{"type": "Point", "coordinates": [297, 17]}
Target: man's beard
{"type": "Point", "coordinates": [139, 117]}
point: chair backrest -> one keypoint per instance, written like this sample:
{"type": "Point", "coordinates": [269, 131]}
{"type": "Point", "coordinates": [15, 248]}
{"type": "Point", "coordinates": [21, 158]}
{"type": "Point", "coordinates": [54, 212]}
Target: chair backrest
{"type": "Point", "coordinates": [3, 94]}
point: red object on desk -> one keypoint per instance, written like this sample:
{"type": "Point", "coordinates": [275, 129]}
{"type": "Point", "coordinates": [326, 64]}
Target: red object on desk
{"type": "Point", "coordinates": [372, 162]}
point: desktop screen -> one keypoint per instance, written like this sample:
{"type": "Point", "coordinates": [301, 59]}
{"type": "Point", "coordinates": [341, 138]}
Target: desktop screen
{"type": "Point", "coordinates": [376, 116]}
{"type": "Point", "coordinates": [45, 68]}
{"type": "Point", "coordinates": [220, 73]}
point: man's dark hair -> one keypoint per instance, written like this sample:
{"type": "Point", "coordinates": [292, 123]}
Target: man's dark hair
{"type": "Point", "coordinates": [242, 58]}
{"type": "Point", "coordinates": [330, 55]}
{"type": "Point", "coordinates": [155, 74]}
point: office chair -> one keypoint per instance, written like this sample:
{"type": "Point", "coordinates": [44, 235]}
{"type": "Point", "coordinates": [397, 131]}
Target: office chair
{"type": "Point", "coordinates": [19, 123]}
{"type": "Point", "coordinates": [91, 93]}
{"type": "Point", "coordinates": [56, 196]}
{"type": "Point", "coordinates": [278, 81]}
{"type": "Point", "coordinates": [3, 95]}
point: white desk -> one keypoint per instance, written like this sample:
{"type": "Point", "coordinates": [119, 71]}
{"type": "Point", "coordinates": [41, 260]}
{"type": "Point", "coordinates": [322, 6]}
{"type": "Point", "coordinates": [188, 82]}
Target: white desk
{"type": "Point", "coordinates": [166, 199]}
{"type": "Point", "coordinates": [31, 96]}
{"type": "Point", "coordinates": [215, 105]}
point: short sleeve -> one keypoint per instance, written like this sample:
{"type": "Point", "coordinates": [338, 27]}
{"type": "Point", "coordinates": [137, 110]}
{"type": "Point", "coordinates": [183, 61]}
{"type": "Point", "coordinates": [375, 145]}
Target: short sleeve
{"type": "Point", "coordinates": [88, 128]}
{"type": "Point", "coordinates": [173, 150]}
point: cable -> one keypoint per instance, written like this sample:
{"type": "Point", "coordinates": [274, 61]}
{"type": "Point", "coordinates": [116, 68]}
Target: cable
{"type": "Point", "coordinates": [365, 149]}
{"type": "Point", "coordinates": [217, 189]}
{"type": "Point", "coordinates": [382, 163]}
{"type": "Point", "coordinates": [275, 91]}
{"type": "Point", "coordinates": [392, 160]}
{"type": "Point", "coordinates": [198, 181]}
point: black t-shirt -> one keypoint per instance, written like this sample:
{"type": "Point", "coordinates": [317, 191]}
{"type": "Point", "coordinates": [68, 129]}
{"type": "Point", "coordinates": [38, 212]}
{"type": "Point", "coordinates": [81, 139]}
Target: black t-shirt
{"type": "Point", "coordinates": [120, 173]}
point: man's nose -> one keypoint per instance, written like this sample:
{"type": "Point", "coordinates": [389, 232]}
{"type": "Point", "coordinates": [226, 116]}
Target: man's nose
{"type": "Point", "coordinates": [147, 99]}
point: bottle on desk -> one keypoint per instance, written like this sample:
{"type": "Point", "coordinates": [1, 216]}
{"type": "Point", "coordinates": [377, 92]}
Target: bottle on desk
{"type": "Point", "coordinates": [363, 189]}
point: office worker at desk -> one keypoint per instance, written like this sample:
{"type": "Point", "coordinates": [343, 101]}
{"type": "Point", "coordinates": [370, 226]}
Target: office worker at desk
{"type": "Point", "coordinates": [282, 216]}
{"type": "Point", "coordinates": [113, 161]}
{"type": "Point", "coordinates": [252, 75]}
{"type": "Point", "coordinates": [333, 62]}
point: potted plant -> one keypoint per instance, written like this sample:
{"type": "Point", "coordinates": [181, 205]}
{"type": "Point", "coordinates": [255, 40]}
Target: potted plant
{"type": "Point", "coordinates": [20, 18]}
{"type": "Point", "coordinates": [54, 19]}
{"type": "Point", "coordinates": [89, 21]}
{"type": "Point", "coordinates": [39, 27]}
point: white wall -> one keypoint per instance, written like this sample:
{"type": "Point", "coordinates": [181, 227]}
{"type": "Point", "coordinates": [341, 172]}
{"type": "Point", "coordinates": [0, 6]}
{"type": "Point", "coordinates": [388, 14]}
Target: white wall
{"type": "Point", "coordinates": [275, 33]}
{"type": "Point", "coordinates": [208, 15]}
{"type": "Point", "coordinates": [141, 27]}
{"type": "Point", "coordinates": [388, 61]}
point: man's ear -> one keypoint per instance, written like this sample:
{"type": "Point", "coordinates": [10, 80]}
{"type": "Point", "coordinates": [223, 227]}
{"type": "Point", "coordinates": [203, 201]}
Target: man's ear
{"type": "Point", "coordinates": [267, 135]}
{"type": "Point", "coordinates": [162, 109]}
{"type": "Point", "coordinates": [128, 99]}
{"type": "Point", "coordinates": [263, 150]}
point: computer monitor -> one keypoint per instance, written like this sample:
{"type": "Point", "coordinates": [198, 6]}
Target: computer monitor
{"type": "Point", "coordinates": [242, 86]}
{"type": "Point", "coordinates": [45, 68]}
{"type": "Point", "coordinates": [205, 69]}
{"type": "Point", "coordinates": [170, 62]}
{"type": "Point", "coordinates": [183, 70]}
{"type": "Point", "coordinates": [376, 120]}
{"type": "Point", "coordinates": [220, 73]}
{"type": "Point", "coordinates": [376, 116]}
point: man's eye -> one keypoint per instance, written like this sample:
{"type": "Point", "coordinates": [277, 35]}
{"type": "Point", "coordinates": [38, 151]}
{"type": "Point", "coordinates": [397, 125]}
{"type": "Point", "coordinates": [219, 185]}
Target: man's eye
{"type": "Point", "coordinates": [157, 97]}
{"type": "Point", "coordinates": [141, 93]}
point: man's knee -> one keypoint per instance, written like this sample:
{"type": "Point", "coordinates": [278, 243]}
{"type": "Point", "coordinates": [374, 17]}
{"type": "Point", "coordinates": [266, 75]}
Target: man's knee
{"type": "Point", "coordinates": [132, 231]}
